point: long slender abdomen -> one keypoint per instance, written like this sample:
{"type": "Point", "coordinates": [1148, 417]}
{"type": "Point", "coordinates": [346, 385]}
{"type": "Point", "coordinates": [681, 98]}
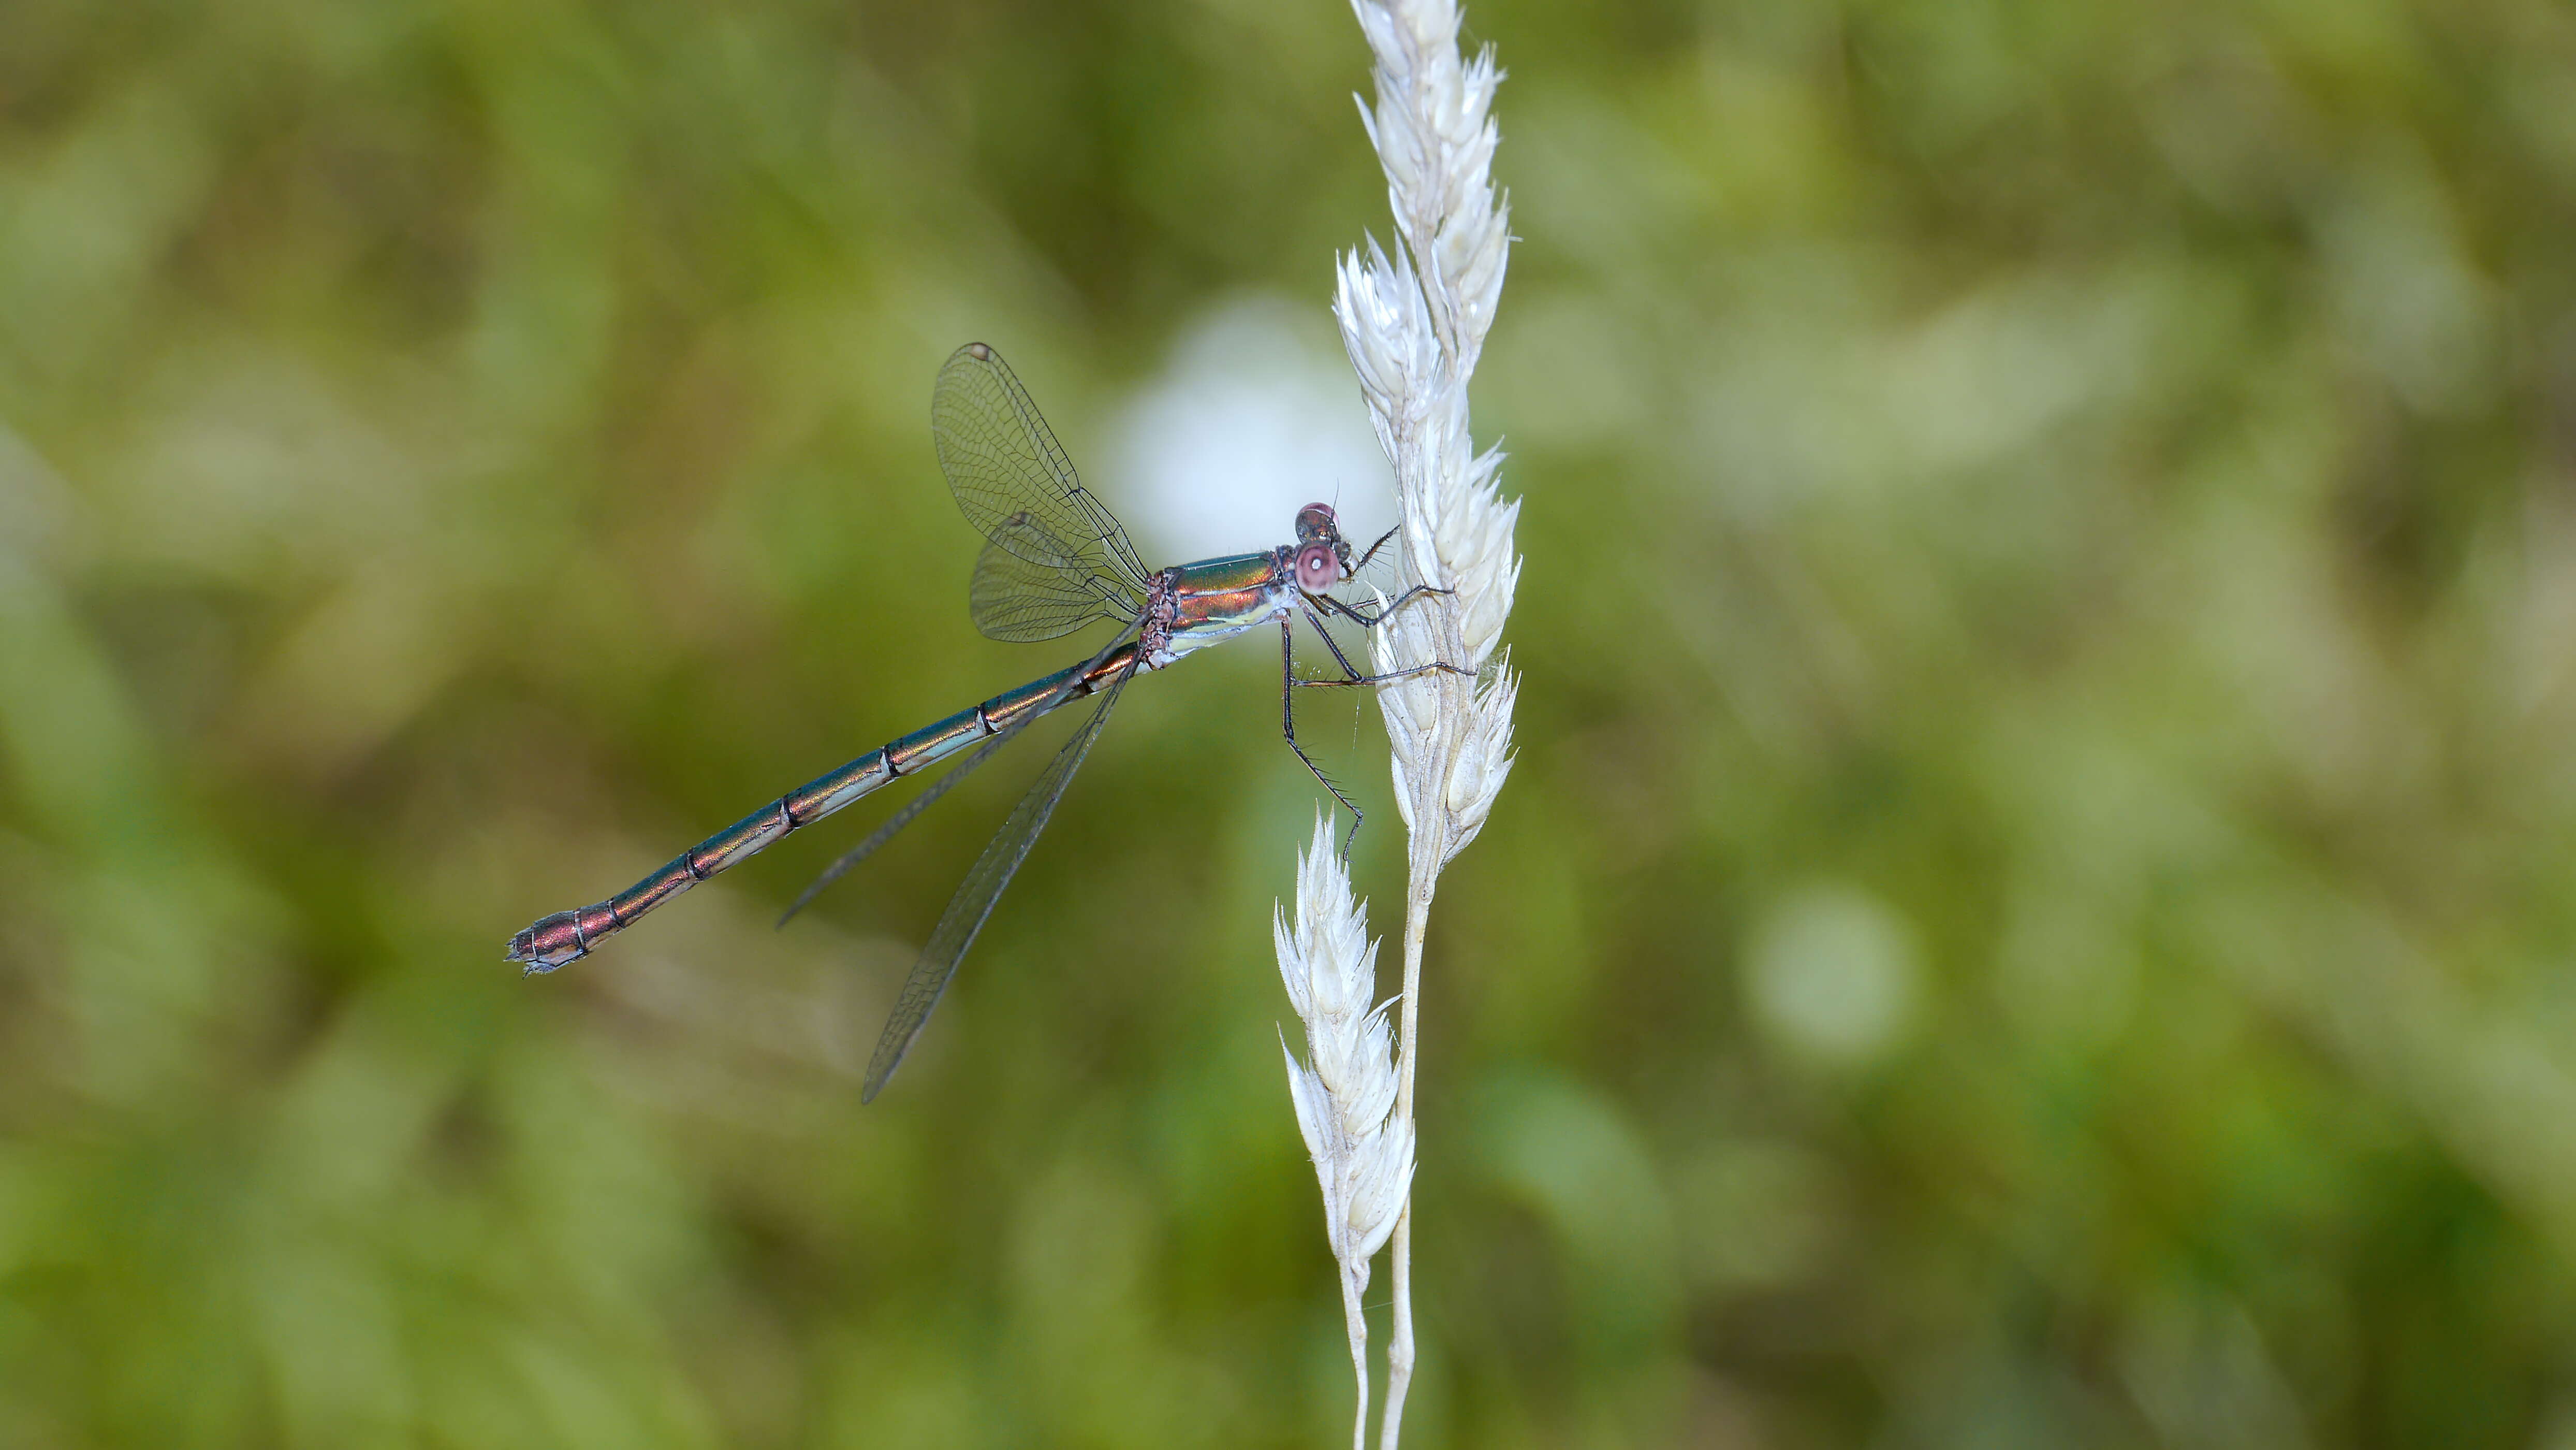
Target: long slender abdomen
{"type": "Point", "coordinates": [568, 936]}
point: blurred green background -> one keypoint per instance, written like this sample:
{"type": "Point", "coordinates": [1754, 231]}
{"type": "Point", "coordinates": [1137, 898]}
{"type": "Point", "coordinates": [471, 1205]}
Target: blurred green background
{"type": "Point", "coordinates": [2034, 910]}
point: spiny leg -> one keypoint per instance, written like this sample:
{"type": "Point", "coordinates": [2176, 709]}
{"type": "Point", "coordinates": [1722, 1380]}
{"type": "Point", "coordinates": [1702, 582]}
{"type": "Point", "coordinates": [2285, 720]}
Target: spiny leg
{"type": "Point", "coordinates": [1354, 677]}
{"type": "Point", "coordinates": [1371, 621]}
{"type": "Point", "coordinates": [1373, 548]}
{"type": "Point", "coordinates": [1288, 683]}
{"type": "Point", "coordinates": [1395, 677]}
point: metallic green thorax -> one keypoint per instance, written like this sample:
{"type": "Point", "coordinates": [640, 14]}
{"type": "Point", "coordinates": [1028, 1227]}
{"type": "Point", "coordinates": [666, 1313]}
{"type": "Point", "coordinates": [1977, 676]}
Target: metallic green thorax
{"type": "Point", "coordinates": [1197, 605]}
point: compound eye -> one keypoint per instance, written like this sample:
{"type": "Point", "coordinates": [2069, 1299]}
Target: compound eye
{"type": "Point", "coordinates": [1317, 568]}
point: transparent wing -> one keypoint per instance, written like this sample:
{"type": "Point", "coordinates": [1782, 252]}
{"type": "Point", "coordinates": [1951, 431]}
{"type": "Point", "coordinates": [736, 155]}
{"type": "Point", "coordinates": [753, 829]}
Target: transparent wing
{"type": "Point", "coordinates": [1016, 599]}
{"type": "Point", "coordinates": [1014, 482]}
{"type": "Point", "coordinates": [975, 897]}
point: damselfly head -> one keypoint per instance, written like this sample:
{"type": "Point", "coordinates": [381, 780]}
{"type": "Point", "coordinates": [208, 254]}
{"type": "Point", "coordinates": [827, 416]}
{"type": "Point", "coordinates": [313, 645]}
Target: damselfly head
{"type": "Point", "coordinates": [1323, 558]}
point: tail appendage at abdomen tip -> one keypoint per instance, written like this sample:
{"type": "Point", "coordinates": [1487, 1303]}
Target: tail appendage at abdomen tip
{"type": "Point", "coordinates": [560, 938]}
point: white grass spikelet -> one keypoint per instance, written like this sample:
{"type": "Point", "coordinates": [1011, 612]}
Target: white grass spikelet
{"type": "Point", "coordinates": [1345, 1100]}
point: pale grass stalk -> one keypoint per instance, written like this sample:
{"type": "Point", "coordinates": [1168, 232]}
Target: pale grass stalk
{"type": "Point", "coordinates": [1414, 324]}
{"type": "Point", "coordinates": [1346, 1098]}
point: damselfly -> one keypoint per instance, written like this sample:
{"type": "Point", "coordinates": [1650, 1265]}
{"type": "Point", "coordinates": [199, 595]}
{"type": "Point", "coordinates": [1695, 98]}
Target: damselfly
{"type": "Point", "coordinates": [1054, 561]}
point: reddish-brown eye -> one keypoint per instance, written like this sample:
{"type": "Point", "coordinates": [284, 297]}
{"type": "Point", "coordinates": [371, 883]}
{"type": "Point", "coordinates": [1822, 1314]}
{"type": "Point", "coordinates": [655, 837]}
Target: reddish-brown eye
{"type": "Point", "coordinates": [1316, 566]}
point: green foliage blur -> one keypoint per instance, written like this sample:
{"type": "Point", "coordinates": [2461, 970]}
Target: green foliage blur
{"type": "Point", "coordinates": [2034, 909]}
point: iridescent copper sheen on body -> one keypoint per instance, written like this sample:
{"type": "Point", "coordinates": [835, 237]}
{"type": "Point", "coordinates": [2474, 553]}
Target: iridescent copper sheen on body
{"type": "Point", "coordinates": [1214, 600]}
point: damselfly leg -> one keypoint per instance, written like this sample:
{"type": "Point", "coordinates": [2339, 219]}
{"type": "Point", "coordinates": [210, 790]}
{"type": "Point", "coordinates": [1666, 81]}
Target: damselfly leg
{"type": "Point", "coordinates": [1373, 548]}
{"type": "Point", "coordinates": [1290, 683]}
{"type": "Point", "coordinates": [1362, 617]}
